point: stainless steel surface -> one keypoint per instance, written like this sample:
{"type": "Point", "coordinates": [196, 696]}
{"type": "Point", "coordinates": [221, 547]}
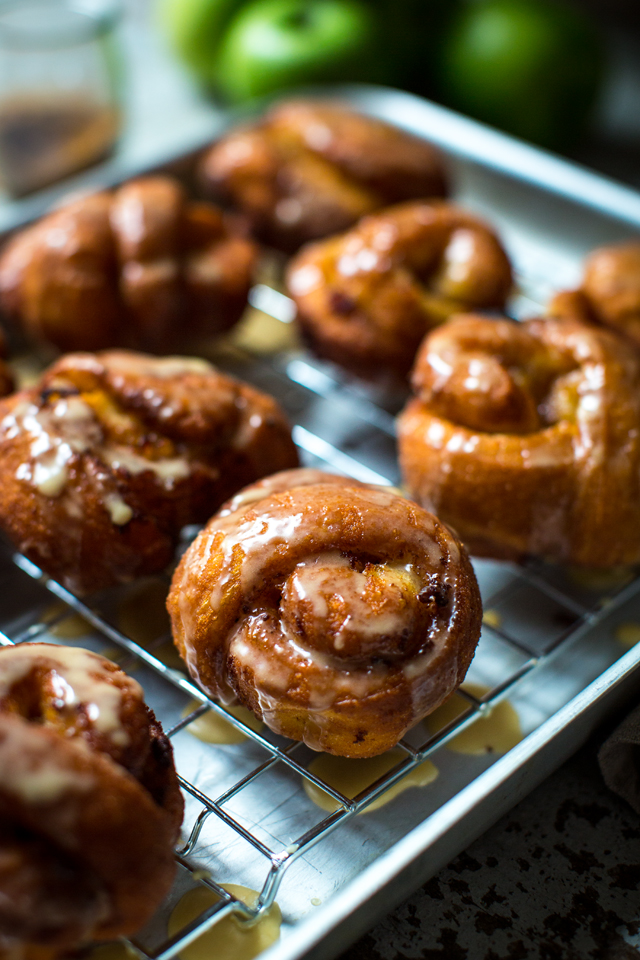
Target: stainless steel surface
{"type": "Point", "coordinates": [550, 651]}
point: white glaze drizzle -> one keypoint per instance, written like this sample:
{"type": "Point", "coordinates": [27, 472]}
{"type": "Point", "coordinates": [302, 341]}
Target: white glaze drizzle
{"type": "Point", "coordinates": [45, 783]}
{"type": "Point", "coordinates": [59, 432]}
{"type": "Point", "coordinates": [314, 580]}
{"type": "Point", "coordinates": [69, 428]}
{"type": "Point", "coordinates": [244, 499]}
{"type": "Point", "coordinates": [167, 470]}
{"type": "Point", "coordinates": [79, 677]}
{"type": "Point", "coordinates": [119, 511]}
{"type": "Point", "coordinates": [256, 538]}
{"type": "Point", "coordinates": [164, 368]}
{"type": "Point", "coordinates": [275, 661]}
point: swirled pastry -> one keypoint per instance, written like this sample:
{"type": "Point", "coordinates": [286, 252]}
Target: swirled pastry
{"type": "Point", "coordinates": [90, 805]}
{"type": "Point", "coordinates": [526, 438]}
{"type": "Point", "coordinates": [309, 169]}
{"type": "Point", "coordinates": [339, 612]}
{"type": "Point", "coordinates": [366, 298]}
{"type": "Point", "coordinates": [609, 293]}
{"type": "Point", "coordinates": [139, 267]}
{"type": "Point", "coordinates": [110, 455]}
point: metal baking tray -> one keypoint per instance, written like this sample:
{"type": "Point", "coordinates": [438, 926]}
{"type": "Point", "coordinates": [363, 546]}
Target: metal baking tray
{"type": "Point", "coordinates": [548, 642]}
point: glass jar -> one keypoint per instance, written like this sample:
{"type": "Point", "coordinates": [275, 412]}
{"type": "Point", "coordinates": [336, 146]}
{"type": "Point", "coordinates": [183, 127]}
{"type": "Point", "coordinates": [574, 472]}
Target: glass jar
{"type": "Point", "coordinates": [60, 79]}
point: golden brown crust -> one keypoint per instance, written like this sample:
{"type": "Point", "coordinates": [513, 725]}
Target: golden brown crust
{"type": "Point", "coordinates": [140, 266]}
{"type": "Point", "coordinates": [89, 800]}
{"type": "Point", "coordinates": [526, 439]}
{"type": "Point", "coordinates": [366, 298]}
{"type": "Point", "coordinates": [310, 169]}
{"type": "Point", "coordinates": [609, 293]}
{"type": "Point", "coordinates": [110, 455]}
{"type": "Point", "coordinates": [339, 612]}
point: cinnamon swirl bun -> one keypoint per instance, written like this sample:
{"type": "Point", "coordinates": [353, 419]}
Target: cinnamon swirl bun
{"type": "Point", "coordinates": [366, 298]}
{"type": "Point", "coordinates": [338, 612]}
{"type": "Point", "coordinates": [90, 805]}
{"type": "Point", "coordinates": [526, 438]}
{"type": "Point", "coordinates": [609, 293]}
{"type": "Point", "coordinates": [139, 267]}
{"type": "Point", "coordinates": [309, 169]}
{"type": "Point", "coordinates": [110, 455]}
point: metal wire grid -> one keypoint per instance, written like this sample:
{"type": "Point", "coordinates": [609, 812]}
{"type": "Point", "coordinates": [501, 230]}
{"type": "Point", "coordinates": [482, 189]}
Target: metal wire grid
{"type": "Point", "coordinates": [279, 860]}
{"type": "Point", "coordinates": [581, 610]}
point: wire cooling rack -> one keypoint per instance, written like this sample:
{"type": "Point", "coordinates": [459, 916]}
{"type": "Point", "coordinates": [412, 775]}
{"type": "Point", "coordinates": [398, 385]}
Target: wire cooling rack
{"type": "Point", "coordinates": [535, 613]}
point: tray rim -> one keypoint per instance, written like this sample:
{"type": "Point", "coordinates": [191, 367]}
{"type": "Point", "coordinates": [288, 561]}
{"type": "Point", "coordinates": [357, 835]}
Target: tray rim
{"type": "Point", "coordinates": [488, 147]}
{"type": "Point", "coordinates": [400, 857]}
{"type": "Point", "coordinates": [453, 132]}
{"type": "Point", "coordinates": [473, 142]}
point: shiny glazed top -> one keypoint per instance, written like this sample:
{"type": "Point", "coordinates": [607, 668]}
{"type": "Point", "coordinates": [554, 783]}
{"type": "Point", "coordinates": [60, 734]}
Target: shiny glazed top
{"type": "Point", "coordinates": [90, 805]}
{"type": "Point", "coordinates": [609, 293]}
{"type": "Point", "coordinates": [321, 603]}
{"type": "Point", "coordinates": [111, 454]}
{"type": "Point", "coordinates": [140, 267]}
{"type": "Point", "coordinates": [311, 168]}
{"type": "Point", "coordinates": [366, 298]}
{"type": "Point", "coordinates": [526, 437]}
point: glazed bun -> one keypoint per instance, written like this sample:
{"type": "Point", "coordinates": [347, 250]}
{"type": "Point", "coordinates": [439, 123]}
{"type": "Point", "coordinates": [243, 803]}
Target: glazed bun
{"type": "Point", "coordinates": [109, 455]}
{"type": "Point", "coordinates": [337, 611]}
{"type": "Point", "coordinates": [90, 806]}
{"type": "Point", "coordinates": [609, 293]}
{"type": "Point", "coordinates": [310, 169]}
{"type": "Point", "coordinates": [526, 438]}
{"type": "Point", "coordinates": [139, 267]}
{"type": "Point", "coordinates": [367, 297]}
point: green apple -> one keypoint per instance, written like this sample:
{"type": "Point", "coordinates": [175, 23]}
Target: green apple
{"type": "Point", "coordinates": [194, 29]}
{"type": "Point", "coordinates": [274, 44]}
{"type": "Point", "coordinates": [531, 67]}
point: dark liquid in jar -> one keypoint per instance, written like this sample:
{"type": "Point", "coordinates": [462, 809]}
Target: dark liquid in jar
{"type": "Point", "coordinates": [45, 138]}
